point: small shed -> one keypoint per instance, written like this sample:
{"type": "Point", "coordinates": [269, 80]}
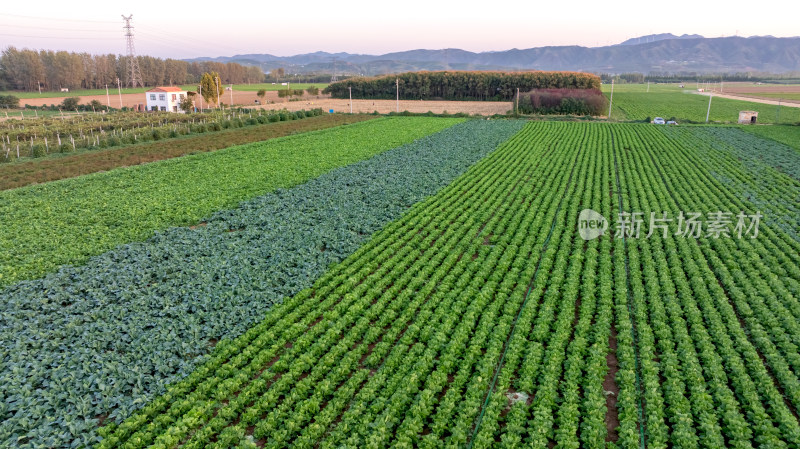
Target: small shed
{"type": "Point", "coordinates": [747, 117]}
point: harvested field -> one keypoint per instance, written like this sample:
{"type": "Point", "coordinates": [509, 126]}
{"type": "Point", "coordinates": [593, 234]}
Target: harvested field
{"type": "Point", "coordinates": [387, 106]}
{"type": "Point", "coordinates": [247, 98]}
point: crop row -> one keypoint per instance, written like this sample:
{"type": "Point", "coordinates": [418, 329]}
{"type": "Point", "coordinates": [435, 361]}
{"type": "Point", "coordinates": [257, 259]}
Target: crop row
{"type": "Point", "coordinates": [35, 138]}
{"type": "Point", "coordinates": [706, 330]}
{"type": "Point", "coordinates": [155, 308]}
{"type": "Point", "coordinates": [744, 351]}
{"type": "Point", "coordinates": [398, 344]}
{"type": "Point", "coordinates": [68, 221]}
{"type": "Point", "coordinates": [787, 135]}
{"type": "Point", "coordinates": [481, 318]}
{"type": "Point", "coordinates": [690, 107]}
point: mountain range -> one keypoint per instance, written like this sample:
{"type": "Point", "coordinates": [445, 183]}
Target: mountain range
{"type": "Point", "coordinates": [662, 53]}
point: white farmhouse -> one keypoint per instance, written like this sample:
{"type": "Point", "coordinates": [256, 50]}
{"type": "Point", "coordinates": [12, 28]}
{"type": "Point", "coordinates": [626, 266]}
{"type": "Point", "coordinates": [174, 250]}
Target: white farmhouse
{"type": "Point", "coordinates": [165, 99]}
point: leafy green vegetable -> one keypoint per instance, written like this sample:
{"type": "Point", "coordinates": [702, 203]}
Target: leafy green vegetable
{"type": "Point", "coordinates": [68, 221]}
{"type": "Point", "coordinates": [119, 329]}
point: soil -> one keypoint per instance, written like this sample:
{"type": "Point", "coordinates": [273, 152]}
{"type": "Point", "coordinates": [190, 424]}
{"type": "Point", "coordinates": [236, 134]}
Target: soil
{"type": "Point", "coordinates": [387, 106]}
{"type": "Point", "coordinates": [272, 101]}
{"type": "Point", "coordinates": [752, 99]}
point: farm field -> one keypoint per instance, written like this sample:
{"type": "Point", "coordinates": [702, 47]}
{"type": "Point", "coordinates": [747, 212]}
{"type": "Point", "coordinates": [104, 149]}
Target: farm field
{"type": "Point", "coordinates": [389, 106]}
{"type": "Point", "coordinates": [770, 91]}
{"type": "Point", "coordinates": [138, 332]}
{"type": "Point", "coordinates": [238, 97]}
{"type": "Point", "coordinates": [787, 135]}
{"type": "Point", "coordinates": [277, 86]}
{"type": "Point", "coordinates": [414, 282]}
{"type": "Point", "coordinates": [55, 136]}
{"type": "Point", "coordinates": [791, 96]}
{"type": "Point", "coordinates": [68, 221]}
{"type": "Point", "coordinates": [691, 107]}
{"type": "Point", "coordinates": [482, 318]}
{"type": "Point", "coordinates": [55, 166]}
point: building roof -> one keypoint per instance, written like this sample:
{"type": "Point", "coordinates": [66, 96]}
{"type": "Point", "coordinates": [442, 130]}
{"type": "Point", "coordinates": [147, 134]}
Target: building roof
{"type": "Point", "coordinates": [166, 89]}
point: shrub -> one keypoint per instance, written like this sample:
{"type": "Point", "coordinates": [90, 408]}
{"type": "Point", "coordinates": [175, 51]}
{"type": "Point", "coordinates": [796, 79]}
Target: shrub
{"type": "Point", "coordinates": [70, 103]}
{"type": "Point", "coordinates": [38, 150]}
{"type": "Point", "coordinates": [9, 102]}
{"type": "Point", "coordinates": [563, 101]}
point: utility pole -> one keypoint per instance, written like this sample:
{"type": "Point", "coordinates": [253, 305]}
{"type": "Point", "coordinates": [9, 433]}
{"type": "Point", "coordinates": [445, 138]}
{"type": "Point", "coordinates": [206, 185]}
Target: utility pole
{"type": "Point", "coordinates": [108, 97]}
{"type": "Point", "coordinates": [350, 90]}
{"type": "Point", "coordinates": [397, 89]}
{"type": "Point", "coordinates": [40, 87]}
{"type": "Point", "coordinates": [133, 63]}
{"type": "Point", "coordinates": [219, 88]}
{"type": "Point", "coordinates": [119, 90]}
{"type": "Point", "coordinates": [708, 114]}
{"type": "Point", "coordinates": [611, 101]}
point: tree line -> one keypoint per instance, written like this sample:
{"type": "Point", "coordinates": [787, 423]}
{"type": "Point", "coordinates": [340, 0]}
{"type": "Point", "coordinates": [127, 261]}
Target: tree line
{"type": "Point", "coordinates": [460, 85]}
{"type": "Point", "coordinates": [690, 77]}
{"type": "Point", "coordinates": [26, 70]}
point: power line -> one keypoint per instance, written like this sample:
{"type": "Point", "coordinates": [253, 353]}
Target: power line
{"type": "Point", "coordinates": [154, 32]}
{"type": "Point", "coordinates": [48, 37]}
{"type": "Point", "coordinates": [56, 19]}
{"type": "Point", "coordinates": [57, 29]}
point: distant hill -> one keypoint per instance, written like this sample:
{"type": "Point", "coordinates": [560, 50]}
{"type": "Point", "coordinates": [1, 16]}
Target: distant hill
{"type": "Point", "coordinates": [654, 53]}
{"type": "Point", "coordinates": [658, 37]}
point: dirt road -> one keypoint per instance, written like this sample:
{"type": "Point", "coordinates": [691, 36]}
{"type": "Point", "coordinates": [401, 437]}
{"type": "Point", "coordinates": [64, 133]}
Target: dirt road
{"type": "Point", "coordinates": [788, 103]}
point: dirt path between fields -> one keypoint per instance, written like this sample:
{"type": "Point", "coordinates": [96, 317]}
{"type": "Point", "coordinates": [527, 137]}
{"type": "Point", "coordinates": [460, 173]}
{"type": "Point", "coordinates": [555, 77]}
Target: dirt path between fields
{"type": "Point", "coordinates": [788, 103]}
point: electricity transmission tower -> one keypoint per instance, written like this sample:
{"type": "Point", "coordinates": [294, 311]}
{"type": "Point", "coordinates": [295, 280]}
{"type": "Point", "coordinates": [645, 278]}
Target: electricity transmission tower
{"type": "Point", "coordinates": [133, 63]}
{"type": "Point", "coordinates": [334, 78]}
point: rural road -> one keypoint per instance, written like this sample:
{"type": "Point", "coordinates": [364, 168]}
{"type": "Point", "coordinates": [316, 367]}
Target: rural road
{"type": "Point", "coordinates": [751, 99]}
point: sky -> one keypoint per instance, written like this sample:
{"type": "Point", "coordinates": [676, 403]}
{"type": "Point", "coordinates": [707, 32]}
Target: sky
{"type": "Point", "coordinates": [180, 30]}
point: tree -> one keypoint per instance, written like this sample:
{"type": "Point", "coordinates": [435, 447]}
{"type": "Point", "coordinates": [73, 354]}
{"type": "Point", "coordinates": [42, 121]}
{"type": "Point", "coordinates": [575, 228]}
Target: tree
{"type": "Point", "coordinates": [261, 94]}
{"type": "Point", "coordinates": [313, 90]}
{"type": "Point", "coordinates": [187, 104]}
{"type": "Point", "coordinates": [96, 105]}
{"type": "Point", "coordinates": [9, 102]}
{"type": "Point", "coordinates": [211, 87]}
{"type": "Point", "coordinates": [278, 73]}
{"type": "Point", "coordinates": [70, 103]}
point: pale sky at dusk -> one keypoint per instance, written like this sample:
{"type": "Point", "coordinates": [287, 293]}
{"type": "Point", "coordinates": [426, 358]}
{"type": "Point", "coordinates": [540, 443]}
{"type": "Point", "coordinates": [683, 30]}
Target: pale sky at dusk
{"type": "Point", "coordinates": [191, 29]}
